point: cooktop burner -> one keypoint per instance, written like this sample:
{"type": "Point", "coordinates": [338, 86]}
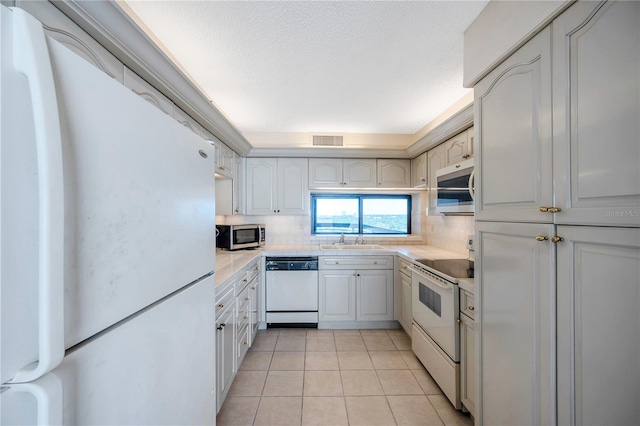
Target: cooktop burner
{"type": "Point", "coordinates": [455, 268]}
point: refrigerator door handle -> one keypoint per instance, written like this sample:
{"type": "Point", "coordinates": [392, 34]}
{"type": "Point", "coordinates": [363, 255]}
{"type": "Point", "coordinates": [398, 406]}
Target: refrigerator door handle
{"type": "Point", "coordinates": [47, 392]}
{"type": "Point", "coordinates": [35, 64]}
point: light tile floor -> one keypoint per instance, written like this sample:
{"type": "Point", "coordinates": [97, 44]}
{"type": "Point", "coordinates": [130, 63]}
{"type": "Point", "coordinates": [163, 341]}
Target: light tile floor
{"type": "Point", "coordinates": [335, 377]}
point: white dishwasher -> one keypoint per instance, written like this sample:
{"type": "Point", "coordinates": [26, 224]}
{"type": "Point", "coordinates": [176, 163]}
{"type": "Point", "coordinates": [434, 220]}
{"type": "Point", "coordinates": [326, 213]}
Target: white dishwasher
{"type": "Point", "coordinates": [292, 291]}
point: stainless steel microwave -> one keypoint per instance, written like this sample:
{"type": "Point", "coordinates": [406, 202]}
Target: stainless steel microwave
{"type": "Point", "coordinates": [238, 237]}
{"type": "Point", "coordinates": [455, 193]}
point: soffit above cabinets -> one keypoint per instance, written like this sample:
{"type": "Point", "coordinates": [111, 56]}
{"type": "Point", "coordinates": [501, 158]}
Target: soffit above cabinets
{"type": "Point", "coordinates": [319, 68]}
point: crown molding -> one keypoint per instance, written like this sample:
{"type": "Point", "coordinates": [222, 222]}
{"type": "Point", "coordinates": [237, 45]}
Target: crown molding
{"type": "Point", "coordinates": [457, 123]}
{"type": "Point", "coordinates": [109, 24]}
{"type": "Point", "coordinates": [328, 152]}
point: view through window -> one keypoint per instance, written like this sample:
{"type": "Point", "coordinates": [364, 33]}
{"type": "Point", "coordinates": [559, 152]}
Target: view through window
{"type": "Point", "coordinates": [361, 214]}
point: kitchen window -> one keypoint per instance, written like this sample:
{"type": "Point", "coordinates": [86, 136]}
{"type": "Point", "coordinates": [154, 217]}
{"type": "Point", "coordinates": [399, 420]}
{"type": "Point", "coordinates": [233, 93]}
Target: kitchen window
{"type": "Point", "coordinates": [360, 214]}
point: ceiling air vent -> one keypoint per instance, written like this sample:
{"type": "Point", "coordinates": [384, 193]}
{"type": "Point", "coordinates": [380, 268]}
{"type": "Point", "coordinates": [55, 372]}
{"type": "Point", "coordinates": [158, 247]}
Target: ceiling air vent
{"type": "Point", "coordinates": [327, 140]}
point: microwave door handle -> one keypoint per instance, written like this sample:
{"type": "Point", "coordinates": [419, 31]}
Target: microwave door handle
{"type": "Point", "coordinates": [471, 179]}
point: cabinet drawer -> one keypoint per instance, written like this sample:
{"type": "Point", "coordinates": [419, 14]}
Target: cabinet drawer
{"type": "Point", "coordinates": [224, 301]}
{"type": "Point", "coordinates": [467, 304]}
{"type": "Point", "coordinates": [253, 270]}
{"type": "Point", "coordinates": [356, 262]}
{"type": "Point", "coordinates": [404, 267]}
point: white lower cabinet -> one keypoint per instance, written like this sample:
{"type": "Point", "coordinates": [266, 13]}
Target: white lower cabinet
{"type": "Point", "coordinates": [598, 325]}
{"type": "Point", "coordinates": [516, 300]}
{"type": "Point", "coordinates": [225, 342]}
{"type": "Point", "coordinates": [237, 302]}
{"type": "Point", "coordinates": [467, 355]}
{"type": "Point", "coordinates": [363, 294]}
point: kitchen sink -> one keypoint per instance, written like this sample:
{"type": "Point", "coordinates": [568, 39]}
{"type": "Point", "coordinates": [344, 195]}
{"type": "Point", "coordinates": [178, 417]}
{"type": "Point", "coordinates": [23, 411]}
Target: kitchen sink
{"type": "Point", "coordinates": [352, 247]}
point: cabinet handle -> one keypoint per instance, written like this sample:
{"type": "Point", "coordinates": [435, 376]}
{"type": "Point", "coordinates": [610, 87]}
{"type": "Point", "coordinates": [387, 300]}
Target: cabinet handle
{"type": "Point", "coordinates": [220, 305]}
{"type": "Point", "coordinates": [245, 317]}
{"type": "Point", "coordinates": [244, 281]}
{"type": "Point", "coordinates": [253, 288]}
{"type": "Point", "coordinates": [221, 325]}
{"type": "Point", "coordinates": [555, 239]}
{"type": "Point", "coordinates": [541, 238]}
{"type": "Point", "coordinates": [246, 298]}
{"type": "Point", "coordinates": [375, 262]}
{"type": "Point", "coordinates": [459, 321]}
{"type": "Point", "coordinates": [471, 308]}
{"type": "Point", "coordinates": [423, 179]}
{"type": "Point", "coordinates": [466, 156]}
{"type": "Point", "coordinates": [245, 343]}
{"type": "Point", "coordinates": [457, 166]}
{"type": "Point", "coordinates": [357, 275]}
{"type": "Point", "coordinates": [545, 209]}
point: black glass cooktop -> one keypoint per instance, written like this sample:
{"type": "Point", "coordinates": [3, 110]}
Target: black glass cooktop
{"type": "Point", "coordinates": [455, 268]}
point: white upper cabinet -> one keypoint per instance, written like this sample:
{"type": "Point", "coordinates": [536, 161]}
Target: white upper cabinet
{"type": "Point", "coordinates": [147, 92]}
{"type": "Point", "coordinates": [394, 173]}
{"type": "Point", "coordinates": [436, 161]}
{"type": "Point", "coordinates": [359, 173]}
{"type": "Point", "coordinates": [277, 186]}
{"type": "Point", "coordinates": [342, 173]}
{"type": "Point", "coordinates": [419, 171]}
{"type": "Point", "coordinates": [513, 127]}
{"type": "Point", "coordinates": [458, 148]}
{"type": "Point", "coordinates": [293, 186]}
{"type": "Point", "coordinates": [596, 105]}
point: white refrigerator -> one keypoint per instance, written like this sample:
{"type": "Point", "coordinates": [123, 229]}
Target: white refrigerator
{"type": "Point", "coordinates": [107, 226]}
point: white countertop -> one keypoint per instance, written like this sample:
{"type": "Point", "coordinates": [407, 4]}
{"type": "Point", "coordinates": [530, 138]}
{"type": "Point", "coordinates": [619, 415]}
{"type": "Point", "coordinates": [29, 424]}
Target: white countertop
{"type": "Point", "coordinates": [228, 262]}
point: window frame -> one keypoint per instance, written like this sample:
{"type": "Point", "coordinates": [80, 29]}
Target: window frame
{"type": "Point", "coordinates": [360, 198]}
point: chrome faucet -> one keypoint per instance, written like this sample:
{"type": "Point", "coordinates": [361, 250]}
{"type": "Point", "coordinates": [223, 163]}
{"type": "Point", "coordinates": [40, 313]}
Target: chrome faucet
{"type": "Point", "coordinates": [359, 239]}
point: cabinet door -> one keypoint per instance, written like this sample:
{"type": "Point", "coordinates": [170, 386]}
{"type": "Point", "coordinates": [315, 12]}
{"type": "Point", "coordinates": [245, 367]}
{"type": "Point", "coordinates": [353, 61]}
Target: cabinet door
{"type": "Point", "coordinates": [254, 292]}
{"type": "Point", "coordinates": [513, 131]}
{"type": "Point", "coordinates": [436, 159]}
{"type": "Point", "coordinates": [419, 171]}
{"type": "Point", "coordinates": [457, 149]}
{"type": "Point", "coordinates": [293, 187]}
{"type": "Point", "coordinates": [406, 315]}
{"type": "Point", "coordinates": [325, 173]}
{"type": "Point", "coordinates": [359, 173]}
{"type": "Point", "coordinates": [374, 292]}
{"type": "Point", "coordinates": [225, 343]}
{"type": "Point", "coordinates": [337, 301]}
{"type": "Point", "coordinates": [598, 325]}
{"type": "Point", "coordinates": [239, 186]}
{"type": "Point", "coordinates": [596, 89]}
{"type": "Point", "coordinates": [468, 364]}
{"type": "Point", "coordinates": [227, 160]}
{"type": "Point", "coordinates": [394, 173]}
{"type": "Point", "coordinates": [262, 178]}
{"type": "Point", "coordinates": [516, 296]}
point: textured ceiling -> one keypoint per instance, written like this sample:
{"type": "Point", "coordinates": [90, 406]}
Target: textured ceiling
{"type": "Point", "coordinates": [385, 67]}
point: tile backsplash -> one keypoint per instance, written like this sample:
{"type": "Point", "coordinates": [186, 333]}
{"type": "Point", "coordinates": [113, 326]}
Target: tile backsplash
{"type": "Point", "coordinates": [449, 232]}
{"type": "Point", "coordinates": [446, 232]}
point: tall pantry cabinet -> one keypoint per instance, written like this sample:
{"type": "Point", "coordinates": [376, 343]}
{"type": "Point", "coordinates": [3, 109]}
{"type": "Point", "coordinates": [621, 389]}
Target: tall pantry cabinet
{"type": "Point", "coordinates": [558, 223]}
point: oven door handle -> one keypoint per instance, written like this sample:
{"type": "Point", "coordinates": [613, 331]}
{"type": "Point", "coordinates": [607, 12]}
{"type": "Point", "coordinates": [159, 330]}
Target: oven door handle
{"type": "Point", "coordinates": [431, 280]}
